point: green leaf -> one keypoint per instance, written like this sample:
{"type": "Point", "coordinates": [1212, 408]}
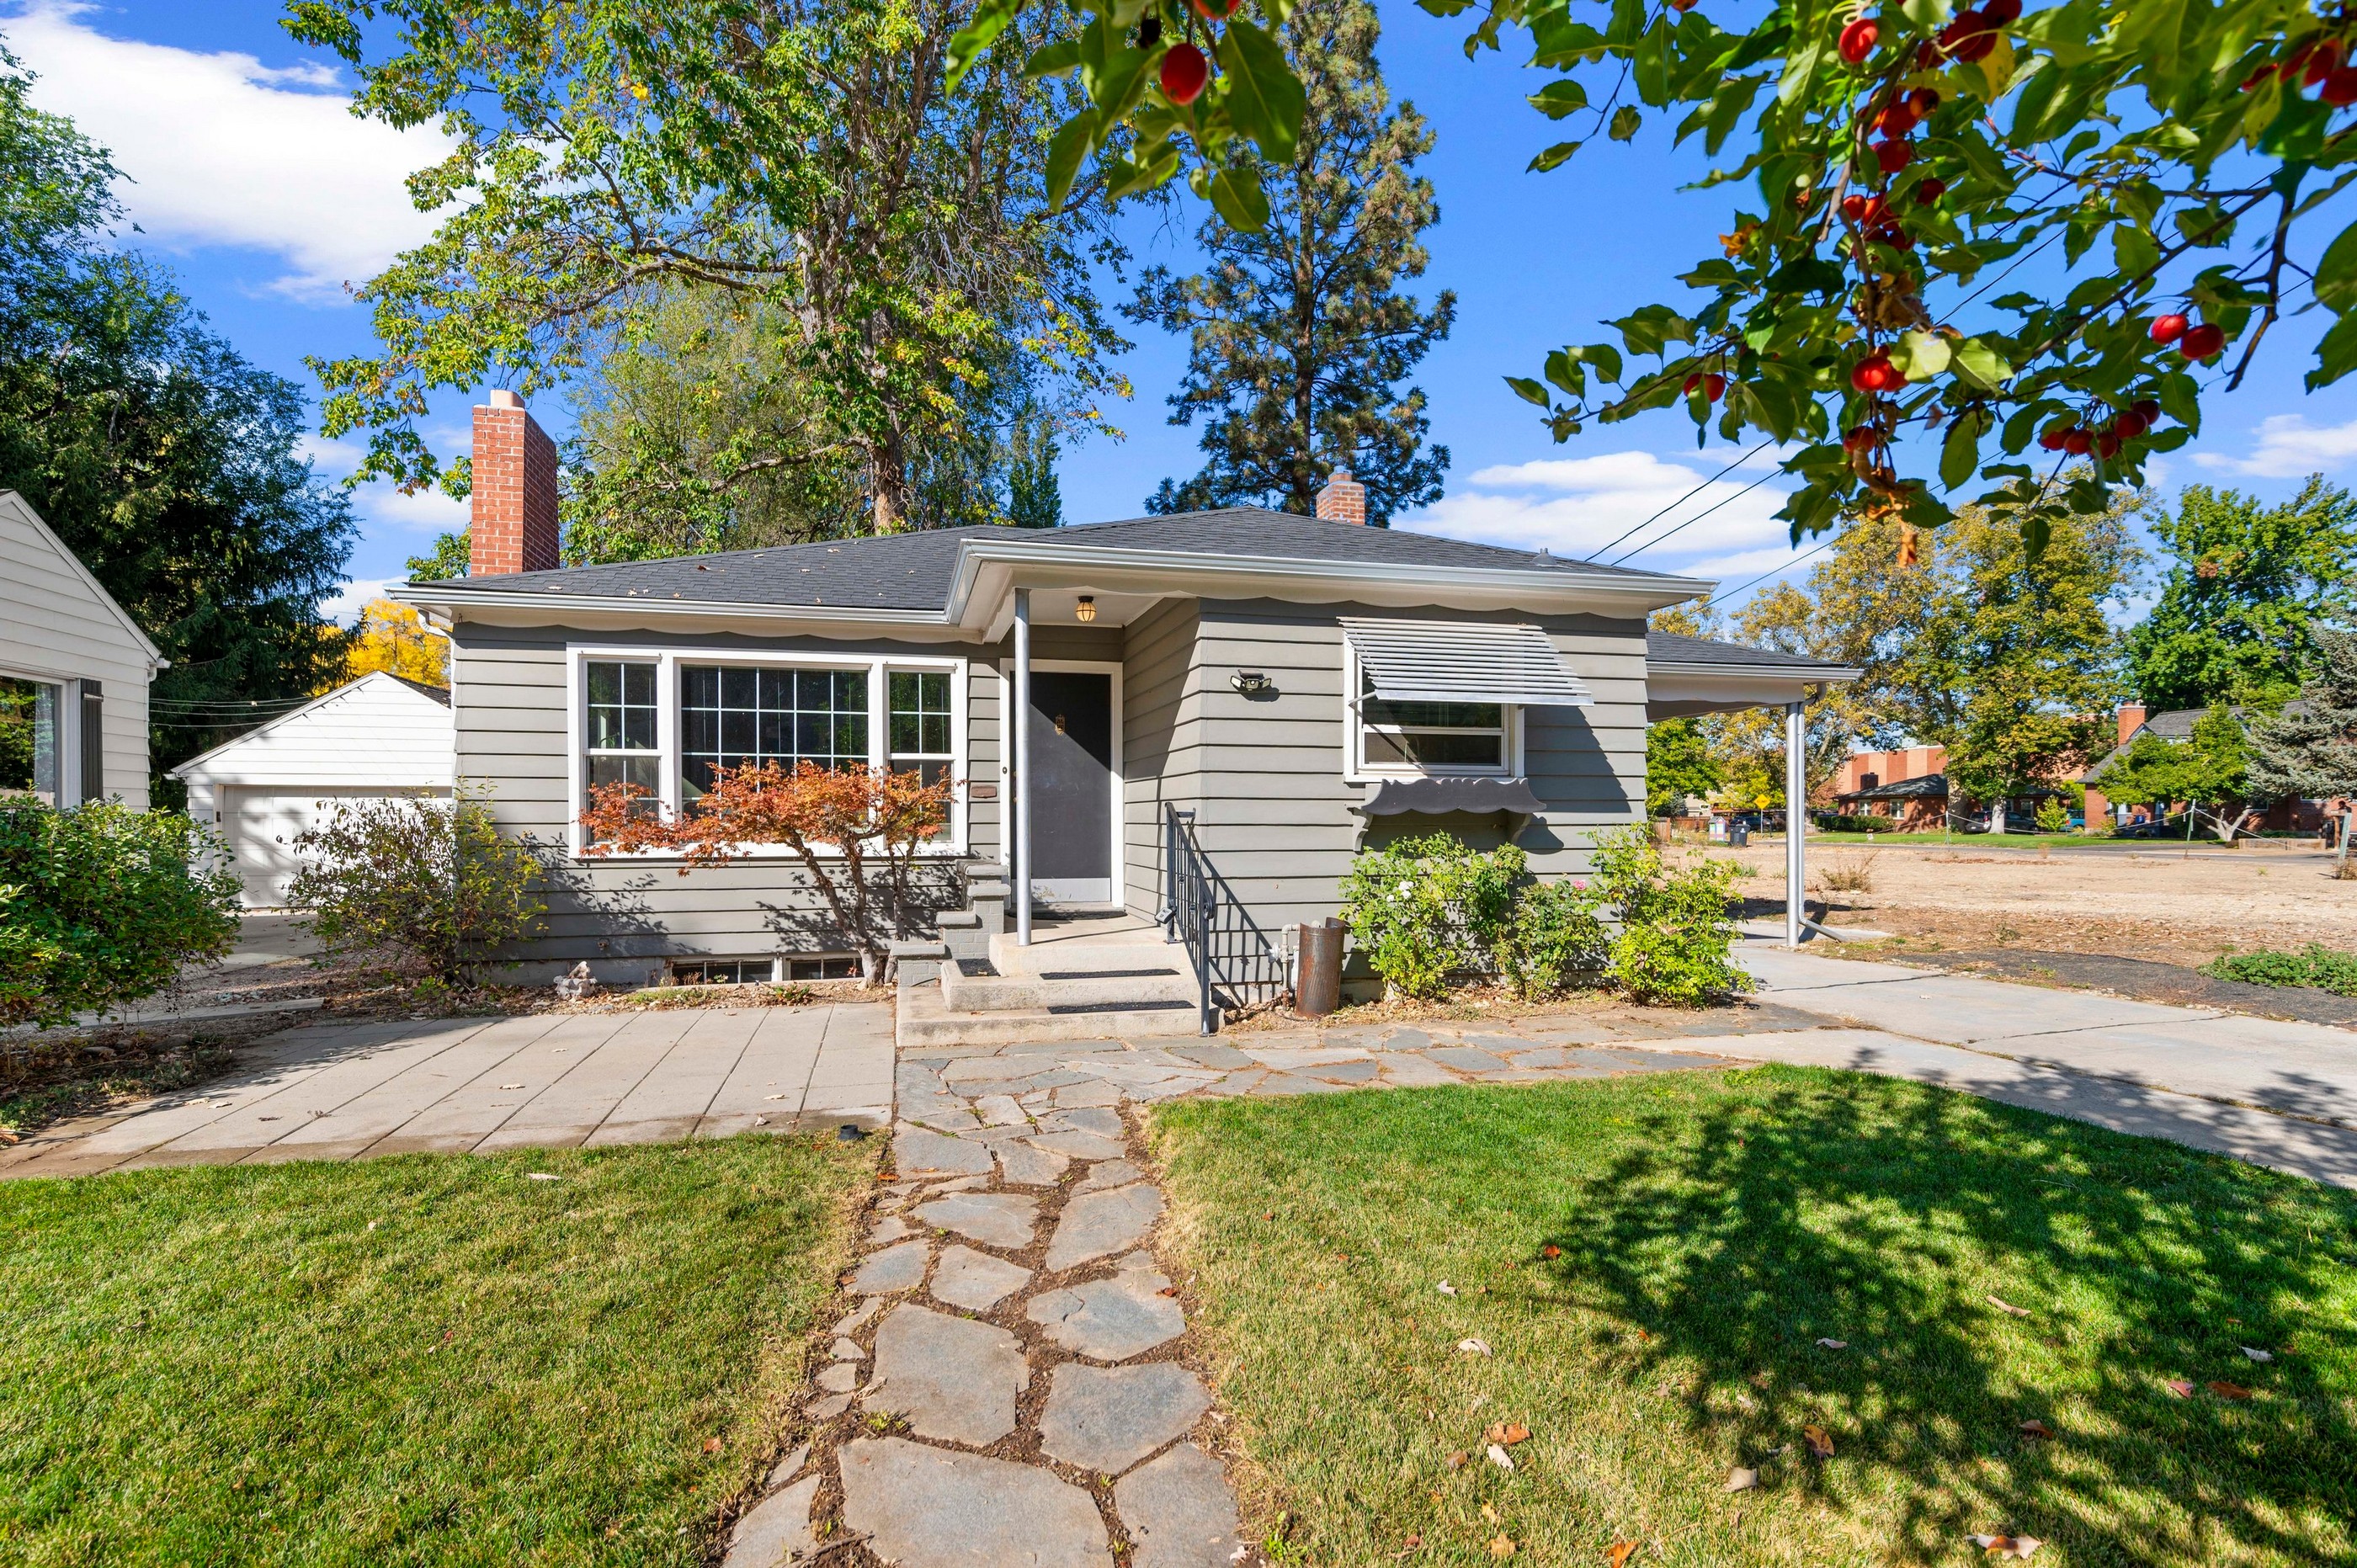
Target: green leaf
{"type": "Point", "coordinates": [2134, 250]}
{"type": "Point", "coordinates": [2336, 273]}
{"type": "Point", "coordinates": [1960, 454]}
{"type": "Point", "coordinates": [1053, 59]}
{"type": "Point", "coordinates": [1553, 157]}
{"type": "Point", "coordinates": [1565, 370]}
{"type": "Point", "coordinates": [1529, 390]}
{"type": "Point", "coordinates": [1927, 15]}
{"type": "Point", "coordinates": [1264, 98]}
{"type": "Point", "coordinates": [1603, 356]}
{"type": "Point", "coordinates": [1625, 120]}
{"type": "Point", "coordinates": [1557, 99]}
{"type": "Point", "coordinates": [1800, 72]}
{"type": "Point", "coordinates": [1920, 356]}
{"type": "Point", "coordinates": [990, 19]}
{"type": "Point", "coordinates": [1980, 365]}
{"type": "Point", "coordinates": [2180, 399]}
{"type": "Point", "coordinates": [1806, 274]}
{"type": "Point", "coordinates": [1243, 205]}
{"type": "Point", "coordinates": [2336, 356]}
{"type": "Point", "coordinates": [1074, 142]}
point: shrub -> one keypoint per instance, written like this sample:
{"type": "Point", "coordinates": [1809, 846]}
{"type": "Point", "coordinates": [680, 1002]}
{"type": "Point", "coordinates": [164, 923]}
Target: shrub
{"type": "Point", "coordinates": [1865, 825]}
{"type": "Point", "coordinates": [428, 883]}
{"type": "Point", "coordinates": [1675, 934]}
{"type": "Point", "coordinates": [2054, 815]}
{"type": "Point", "coordinates": [1552, 940]}
{"type": "Point", "coordinates": [1429, 908]}
{"type": "Point", "coordinates": [2314, 965]}
{"type": "Point", "coordinates": [101, 905]}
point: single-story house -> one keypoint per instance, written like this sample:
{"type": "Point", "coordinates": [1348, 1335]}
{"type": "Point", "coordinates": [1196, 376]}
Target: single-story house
{"type": "Point", "coordinates": [2176, 726]}
{"type": "Point", "coordinates": [373, 739]}
{"type": "Point", "coordinates": [1249, 694]}
{"type": "Point", "coordinates": [74, 672]}
{"type": "Point", "coordinates": [1919, 804]}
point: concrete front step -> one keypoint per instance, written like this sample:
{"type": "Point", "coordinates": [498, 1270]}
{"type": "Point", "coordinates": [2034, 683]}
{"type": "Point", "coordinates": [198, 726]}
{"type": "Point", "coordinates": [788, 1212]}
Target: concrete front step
{"type": "Point", "coordinates": [1057, 989]}
{"type": "Point", "coordinates": [926, 1019]}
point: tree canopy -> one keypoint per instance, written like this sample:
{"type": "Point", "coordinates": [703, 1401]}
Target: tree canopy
{"type": "Point", "coordinates": [1892, 172]}
{"type": "Point", "coordinates": [2247, 586]}
{"type": "Point", "coordinates": [1298, 339]}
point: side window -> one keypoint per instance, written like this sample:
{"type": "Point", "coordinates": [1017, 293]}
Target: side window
{"type": "Point", "coordinates": [622, 727]}
{"type": "Point", "coordinates": [919, 723]}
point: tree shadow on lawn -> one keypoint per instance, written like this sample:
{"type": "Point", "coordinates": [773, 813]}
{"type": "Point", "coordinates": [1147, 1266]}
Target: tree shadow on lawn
{"type": "Point", "coordinates": [1738, 1228]}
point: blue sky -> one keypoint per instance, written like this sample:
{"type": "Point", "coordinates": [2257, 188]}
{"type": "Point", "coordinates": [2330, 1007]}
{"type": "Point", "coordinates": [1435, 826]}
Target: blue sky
{"type": "Point", "coordinates": [248, 176]}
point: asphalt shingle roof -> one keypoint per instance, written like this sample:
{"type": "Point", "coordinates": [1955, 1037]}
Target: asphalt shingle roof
{"type": "Point", "coordinates": [914, 571]}
{"type": "Point", "coordinates": [1677, 648]}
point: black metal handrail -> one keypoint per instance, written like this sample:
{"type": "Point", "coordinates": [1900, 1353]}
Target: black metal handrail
{"type": "Point", "coordinates": [1236, 965]}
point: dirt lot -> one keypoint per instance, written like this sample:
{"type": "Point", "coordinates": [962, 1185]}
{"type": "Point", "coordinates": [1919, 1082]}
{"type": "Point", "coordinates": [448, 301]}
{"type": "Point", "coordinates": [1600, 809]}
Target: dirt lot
{"type": "Point", "coordinates": [2148, 902]}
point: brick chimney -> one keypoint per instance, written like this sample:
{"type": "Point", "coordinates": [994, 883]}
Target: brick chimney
{"type": "Point", "coordinates": [1343, 499]}
{"type": "Point", "coordinates": [2131, 716]}
{"type": "Point", "coordinates": [514, 527]}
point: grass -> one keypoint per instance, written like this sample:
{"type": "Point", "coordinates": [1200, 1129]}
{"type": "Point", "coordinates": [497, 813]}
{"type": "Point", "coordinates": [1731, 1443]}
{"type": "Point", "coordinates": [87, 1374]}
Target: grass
{"type": "Point", "coordinates": [1652, 1260]}
{"type": "Point", "coordinates": [425, 1359]}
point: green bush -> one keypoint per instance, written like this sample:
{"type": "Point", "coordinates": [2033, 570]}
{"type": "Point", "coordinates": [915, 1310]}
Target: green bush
{"type": "Point", "coordinates": [101, 905]}
{"type": "Point", "coordinates": [2054, 815]}
{"type": "Point", "coordinates": [2315, 966]}
{"type": "Point", "coordinates": [1865, 824]}
{"type": "Point", "coordinates": [1429, 908]}
{"type": "Point", "coordinates": [1552, 942]}
{"type": "Point", "coordinates": [1676, 935]}
{"type": "Point", "coordinates": [428, 883]}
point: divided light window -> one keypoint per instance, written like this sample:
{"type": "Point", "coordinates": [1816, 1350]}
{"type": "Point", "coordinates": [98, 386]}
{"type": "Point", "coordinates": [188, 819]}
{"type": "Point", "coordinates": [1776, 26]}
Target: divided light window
{"type": "Point", "coordinates": [621, 728]}
{"type": "Point", "coordinates": [920, 728]}
{"type": "Point", "coordinates": [730, 715]}
{"type": "Point", "coordinates": [1430, 737]}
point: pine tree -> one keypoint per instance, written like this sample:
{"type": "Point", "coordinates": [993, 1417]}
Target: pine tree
{"type": "Point", "coordinates": [2309, 751]}
{"type": "Point", "coordinates": [1299, 341]}
{"type": "Point", "coordinates": [1034, 500]}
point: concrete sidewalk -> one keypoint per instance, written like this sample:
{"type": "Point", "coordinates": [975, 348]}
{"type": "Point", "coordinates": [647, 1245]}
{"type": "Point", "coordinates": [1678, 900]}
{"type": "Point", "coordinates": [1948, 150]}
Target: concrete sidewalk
{"type": "Point", "coordinates": [2264, 1090]}
{"type": "Point", "coordinates": [549, 1080]}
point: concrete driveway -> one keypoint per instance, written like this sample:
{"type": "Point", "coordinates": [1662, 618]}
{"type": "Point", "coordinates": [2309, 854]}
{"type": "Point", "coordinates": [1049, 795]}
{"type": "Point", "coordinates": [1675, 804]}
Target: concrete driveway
{"type": "Point", "coordinates": [2268, 1091]}
{"type": "Point", "coordinates": [339, 1090]}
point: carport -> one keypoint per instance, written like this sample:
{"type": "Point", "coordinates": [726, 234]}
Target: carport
{"type": "Point", "coordinates": [1688, 676]}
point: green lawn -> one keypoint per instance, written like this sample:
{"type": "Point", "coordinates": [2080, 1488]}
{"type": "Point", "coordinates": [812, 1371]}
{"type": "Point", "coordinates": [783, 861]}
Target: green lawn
{"type": "Point", "coordinates": [425, 1359]}
{"type": "Point", "coordinates": [1711, 1229]}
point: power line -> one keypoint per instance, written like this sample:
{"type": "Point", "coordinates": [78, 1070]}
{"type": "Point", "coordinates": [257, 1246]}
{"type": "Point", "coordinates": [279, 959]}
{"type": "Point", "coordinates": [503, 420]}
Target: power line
{"type": "Point", "coordinates": [1688, 496]}
{"type": "Point", "coordinates": [1698, 517]}
{"type": "Point", "coordinates": [1726, 593]}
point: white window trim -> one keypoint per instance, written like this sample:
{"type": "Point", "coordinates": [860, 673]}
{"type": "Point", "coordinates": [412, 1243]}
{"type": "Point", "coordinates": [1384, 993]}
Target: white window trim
{"type": "Point", "coordinates": [1357, 769]}
{"type": "Point", "coordinates": [667, 661]}
{"type": "Point", "coordinates": [69, 731]}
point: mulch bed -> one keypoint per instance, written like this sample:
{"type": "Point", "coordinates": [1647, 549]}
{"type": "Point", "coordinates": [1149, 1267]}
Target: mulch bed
{"type": "Point", "coordinates": [2140, 979]}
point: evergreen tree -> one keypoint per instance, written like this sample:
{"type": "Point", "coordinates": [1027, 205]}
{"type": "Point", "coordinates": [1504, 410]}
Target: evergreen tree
{"type": "Point", "coordinates": [2247, 583]}
{"type": "Point", "coordinates": [1299, 341]}
{"type": "Point", "coordinates": [166, 462]}
{"type": "Point", "coordinates": [2309, 751]}
{"type": "Point", "coordinates": [1034, 500]}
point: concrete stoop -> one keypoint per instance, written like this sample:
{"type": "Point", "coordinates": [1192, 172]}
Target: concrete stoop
{"type": "Point", "coordinates": [1081, 981]}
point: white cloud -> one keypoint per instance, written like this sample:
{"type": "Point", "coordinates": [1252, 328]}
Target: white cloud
{"type": "Point", "coordinates": [1580, 509]}
{"type": "Point", "coordinates": [2290, 447]}
{"type": "Point", "coordinates": [221, 149]}
{"type": "Point", "coordinates": [427, 512]}
{"type": "Point", "coordinates": [344, 609]}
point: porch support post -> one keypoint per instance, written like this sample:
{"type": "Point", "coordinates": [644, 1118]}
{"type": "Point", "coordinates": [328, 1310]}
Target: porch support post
{"type": "Point", "coordinates": [1021, 720]}
{"type": "Point", "coordinates": [1796, 817]}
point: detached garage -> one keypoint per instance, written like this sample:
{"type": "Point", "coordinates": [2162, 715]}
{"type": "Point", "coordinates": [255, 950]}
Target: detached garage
{"type": "Point", "coordinates": [377, 738]}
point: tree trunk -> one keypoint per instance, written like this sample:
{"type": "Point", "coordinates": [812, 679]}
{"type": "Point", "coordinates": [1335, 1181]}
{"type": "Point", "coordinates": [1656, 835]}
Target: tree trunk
{"type": "Point", "coordinates": [1996, 816]}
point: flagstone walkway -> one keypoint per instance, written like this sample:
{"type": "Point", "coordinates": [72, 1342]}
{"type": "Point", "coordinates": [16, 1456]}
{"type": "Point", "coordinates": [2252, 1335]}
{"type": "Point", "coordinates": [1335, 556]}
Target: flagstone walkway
{"type": "Point", "coordinates": [1015, 1389]}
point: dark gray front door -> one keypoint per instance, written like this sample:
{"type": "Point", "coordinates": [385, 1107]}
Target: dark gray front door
{"type": "Point", "coordinates": [1072, 807]}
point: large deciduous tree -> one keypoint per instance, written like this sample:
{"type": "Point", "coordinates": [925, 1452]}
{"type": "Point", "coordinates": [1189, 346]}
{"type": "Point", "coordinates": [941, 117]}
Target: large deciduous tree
{"type": "Point", "coordinates": [1299, 341]}
{"type": "Point", "coordinates": [637, 186]}
{"type": "Point", "coordinates": [2247, 586]}
{"type": "Point", "coordinates": [1894, 168]}
{"type": "Point", "coordinates": [163, 459]}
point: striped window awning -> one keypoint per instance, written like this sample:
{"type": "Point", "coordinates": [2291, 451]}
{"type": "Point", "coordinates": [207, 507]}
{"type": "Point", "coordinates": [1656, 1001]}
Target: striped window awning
{"type": "Point", "coordinates": [1442, 662]}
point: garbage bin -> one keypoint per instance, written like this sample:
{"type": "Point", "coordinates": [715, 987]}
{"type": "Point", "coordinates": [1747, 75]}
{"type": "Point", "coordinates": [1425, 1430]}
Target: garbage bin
{"type": "Point", "coordinates": [1318, 985]}
{"type": "Point", "coordinates": [1739, 835]}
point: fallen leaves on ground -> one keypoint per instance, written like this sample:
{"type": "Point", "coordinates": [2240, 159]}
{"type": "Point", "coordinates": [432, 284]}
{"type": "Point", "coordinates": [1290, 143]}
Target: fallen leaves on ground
{"type": "Point", "coordinates": [1502, 1545]}
{"type": "Point", "coordinates": [1741, 1480]}
{"type": "Point", "coordinates": [2255, 1353]}
{"type": "Point", "coordinates": [2036, 1428]}
{"type": "Point", "coordinates": [1459, 1459]}
{"type": "Point", "coordinates": [712, 1445]}
{"type": "Point", "coordinates": [1474, 1347]}
{"type": "Point", "coordinates": [1500, 1458]}
{"type": "Point", "coordinates": [1550, 1251]}
{"type": "Point", "coordinates": [2226, 1391]}
{"type": "Point", "coordinates": [2180, 1387]}
{"type": "Point", "coordinates": [1618, 1553]}
{"type": "Point", "coordinates": [2007, 1307]}
{"type": "Point", "coordinates": [1446, 1288]}
{"type": "Point", "coordinates": [2008, 1545]}
{"type": "Point", "coordinates": [1832, 1344]}
{"type": "Point", "coordinates": [1507, 1432]}
{"type": "Point", "coordinates": [1819, 1445]}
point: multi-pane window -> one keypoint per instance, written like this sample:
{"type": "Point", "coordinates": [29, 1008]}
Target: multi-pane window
{"type": "Point", "coordinates": [920, 728]}
{"type": "Point", "coordinates": [28, 739]}
{"type": "Point", "coordinates": [723, 971]}
{"type": "Point", "coordinates": [621, 730]}
{"type": "Point", "coordinates": [821, 966]}
{"type": "Point", "coordinates": [730, 715]}
{"type": "Point", "coordinates": [1430, 737]}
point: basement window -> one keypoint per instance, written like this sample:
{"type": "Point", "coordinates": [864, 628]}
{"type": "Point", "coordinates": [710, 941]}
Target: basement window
{"type": "Point", "coordinates": [723, 971]}
{"type": "Point", "coordinates": [821, 966]}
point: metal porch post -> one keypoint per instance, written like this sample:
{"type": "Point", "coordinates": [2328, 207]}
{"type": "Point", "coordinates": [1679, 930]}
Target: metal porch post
{"type": "Point", "coordinates": [1021, 720]}
{"type": "Point", "coordinates": [1796, 816]}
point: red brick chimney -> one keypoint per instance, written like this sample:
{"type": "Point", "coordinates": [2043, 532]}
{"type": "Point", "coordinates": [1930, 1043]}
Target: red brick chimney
{"type": "Point", "coordinates": [1343, 499]}
{"type": "Point", "coordinates": [514, 525]}
{"type": "Point", "coordinates": [2131, 717]}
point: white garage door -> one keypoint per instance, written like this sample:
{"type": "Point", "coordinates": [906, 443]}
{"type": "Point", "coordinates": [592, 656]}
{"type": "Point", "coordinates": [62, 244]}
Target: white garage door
{"type": "Point", "coordinates": [262, 825]}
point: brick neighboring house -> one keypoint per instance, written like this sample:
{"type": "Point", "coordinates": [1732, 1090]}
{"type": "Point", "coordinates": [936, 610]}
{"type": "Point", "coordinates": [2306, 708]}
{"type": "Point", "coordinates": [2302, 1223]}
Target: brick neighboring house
{"type": "Point", "coordinates": [2176, 726]}
{"type": "Point", "coordinates": [1910, 786]}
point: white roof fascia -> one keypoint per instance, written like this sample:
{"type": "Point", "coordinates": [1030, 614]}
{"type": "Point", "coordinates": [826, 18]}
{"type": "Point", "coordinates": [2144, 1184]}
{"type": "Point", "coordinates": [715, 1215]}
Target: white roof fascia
{"type": "Point", "coordinates": [446, 604]}
{"type": "Point", "coordinates": [315, 704]}
{"type": "Point", "coordinates": [24, 509]}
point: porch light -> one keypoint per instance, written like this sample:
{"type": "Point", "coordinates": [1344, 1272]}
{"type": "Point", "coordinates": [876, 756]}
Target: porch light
{"type": "Point", "coordinates": [1086, 610]}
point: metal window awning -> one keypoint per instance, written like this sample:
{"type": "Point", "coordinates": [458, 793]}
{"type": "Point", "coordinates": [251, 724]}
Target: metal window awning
{"type": "Point", "coordinates": [1444, 662]}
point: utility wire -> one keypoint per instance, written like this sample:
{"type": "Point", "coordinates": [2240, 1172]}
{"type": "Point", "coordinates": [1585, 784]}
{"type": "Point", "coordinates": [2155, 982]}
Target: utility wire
{"type": "Point", "coordinates": [1729, 592]}
{"type": "Point", "coordinates": [1688, 496]}
{"type": "Point", "coordinates": [1698, 517]}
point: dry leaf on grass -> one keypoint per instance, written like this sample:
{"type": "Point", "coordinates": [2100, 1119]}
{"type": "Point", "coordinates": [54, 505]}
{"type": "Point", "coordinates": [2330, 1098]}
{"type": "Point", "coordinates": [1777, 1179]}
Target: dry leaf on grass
{"type": "Point", "coordinates": [1459, 1459]}
{"type": "Point", "coordinates": [1507, 1432]}
{"type": "Point", "coordinates": [1618, 1553]}
{"type": "Point", "coordinates": [2007, 1307]}
{"type": "Point", "coordinates": [712, 1445]}
{"type": "Point", "coordinates": [1474, 1347]}
{"type": "Point", "coordinates": [2226, 1391]}
{"type": "Point", "coordinates": [2035, 1428]}
{"type": "Point", "coordinates": [1834, 1344]}
{"type": "Point", "coordinates": [1500, 1546]}
{"type": "Point", "coordinates": [1446, 1288]}
{"type": "Point", "coordinates": [1741, 1480]}
{"type": "Point", "coordinates": [2255, 1353]}
{"type": "Point", "coordinates": [2179, 1387]}
{"type": "Point", "coordinates": [2008, 1545]}
{"type": "Point", "coordinates": [1500, 1457]}
{"type": "Point", "coordinates": [1550, 1251]}
{"type": "Point", "coordinates": [1820, 1446]}
{"type": "Point", "coordinates": [542, 1176]}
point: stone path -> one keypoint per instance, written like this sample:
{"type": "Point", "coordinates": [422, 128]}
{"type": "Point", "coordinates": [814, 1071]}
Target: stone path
{"type": "Point", "coordinates": [1015, 1386]}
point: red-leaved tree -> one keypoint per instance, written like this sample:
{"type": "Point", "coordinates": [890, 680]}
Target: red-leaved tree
{"type": "Point", "coordinates": [867, 818]}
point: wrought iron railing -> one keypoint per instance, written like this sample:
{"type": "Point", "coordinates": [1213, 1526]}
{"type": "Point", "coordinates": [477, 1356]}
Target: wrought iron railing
{"type": "Point", "coordinates": [1236, 964]}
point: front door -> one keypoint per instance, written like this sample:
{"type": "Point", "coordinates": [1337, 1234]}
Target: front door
{"type": "Point", "coordinates": [1072, 805]}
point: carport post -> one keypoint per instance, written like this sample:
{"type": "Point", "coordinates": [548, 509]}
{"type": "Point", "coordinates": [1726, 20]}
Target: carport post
{"type": "Point", "coordinates": [1796, 816]}
{"type": "Point", "coordinates": [1021, 721]}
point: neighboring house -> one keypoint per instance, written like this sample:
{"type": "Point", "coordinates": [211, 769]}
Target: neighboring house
{"type": "Point", "coordinates": [1910, 786]}
{"type": "Point", "coordinates": [74, 672]}
{"type": "Point", "coordinates": [373, 738]}
{"type": "Point", "coordinates": [1298, 686]}
{"type": "Point", "coordinates": [2176, 726]}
